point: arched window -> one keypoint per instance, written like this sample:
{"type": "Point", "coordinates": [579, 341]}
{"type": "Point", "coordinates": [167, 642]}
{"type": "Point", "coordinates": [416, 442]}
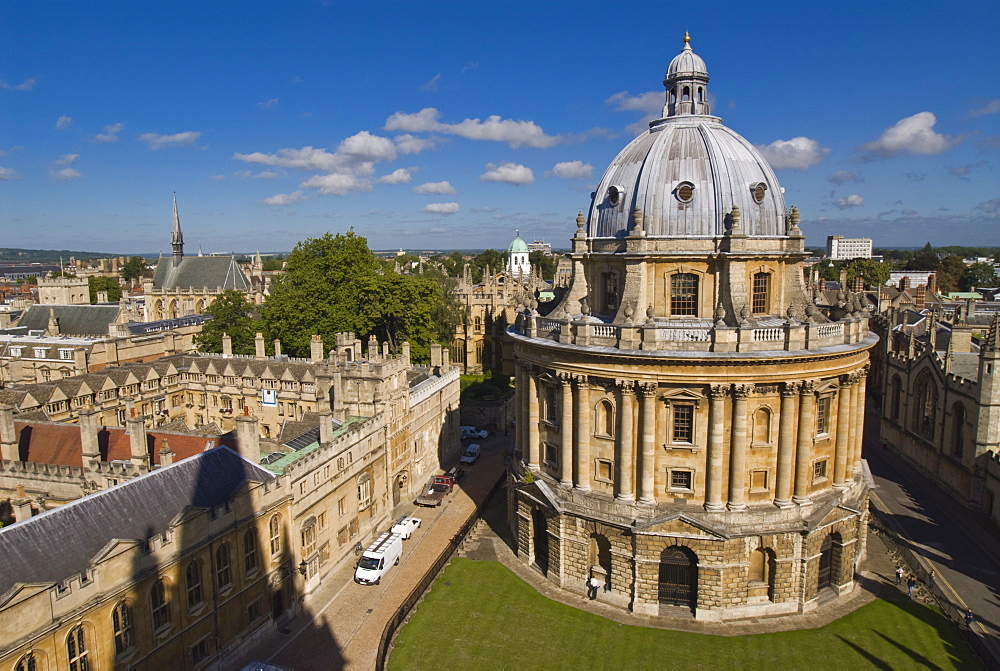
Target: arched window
{"type": "Point", "coordinates": [606, 418]}
{"type": "Point", "coordinates": [761, 293]}
{"type": "Point", "coordinates": [309, 537]}
{"type": "Point", "coordinates": [121, 624]}
{"type": "Point", "coordinates": [684, 294]}
{"type": "Point", "coordinates": [158, 605]}
{"type": "Point", "coordinates": [896, 395]}
{"type": "Point", "coordinates": [686, 96]}
{"type": "Point", "coordinates": [762, 426]}
{"type": "Point", "coordinates": [275, 530]}
{"type": "Point", "coordinates": [957, 429]}
{"type": "Point", "coordinates": [250, 554]}
{"type": "Point", "coordinates": [76, 649]}
{"type": "Point", "coordinates": [192, 583]}
{"type": "Point", "coordinates": [27, 663]}
{"type": "Point", "coordinates": [223, 574]}
{"type": "Point", "coordinates": [925, 408]}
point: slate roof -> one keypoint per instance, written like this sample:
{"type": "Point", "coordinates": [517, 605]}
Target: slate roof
{"type": "Point", "coordinates": [61, 542]}
{"type": "Point", "coordinates": [197, 272]}
{"type": "Point", "coordinates": [77, 320]}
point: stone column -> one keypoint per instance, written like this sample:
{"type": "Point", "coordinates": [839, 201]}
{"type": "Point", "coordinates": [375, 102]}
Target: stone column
{"type": "Point", "coordinates": [581, 435]}
{"type": "Point", "coordinates": [857, 423]}
{"type": "Point", "coordinates": [804, 451]}
{"type": "Point", "coordinates": [786, 446]}
{"type": "Point", "coordinates": [647, 460]}
{"type": "Point", "coordinates": [738, 449]}
{"type": "Point", "coordinates": [716, 446]}
{"type": "Point", "coordinates": [520, 415]}
{"type": "Point", "coordinates": [845, 428]}
{"type": "Point", "coordinates": [566, 432]}
{"type": "Point", "coordinates": [624, 484]}
{"type": "Point", "coordinates": [531, 450]}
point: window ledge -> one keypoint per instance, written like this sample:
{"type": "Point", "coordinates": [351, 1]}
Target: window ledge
{"type": "Point", "coordinates": [197, 609]}
{"type": "Point", "coordinates": [253, 573]}
{"type": "Point", "coordinates": [224, 591]}
{"type": "Point", "coordinates": [758, 445]}
{"type": "Point", "coordinates": [684, 447]}
{"type": "Point", "coordinates": [164, 630]}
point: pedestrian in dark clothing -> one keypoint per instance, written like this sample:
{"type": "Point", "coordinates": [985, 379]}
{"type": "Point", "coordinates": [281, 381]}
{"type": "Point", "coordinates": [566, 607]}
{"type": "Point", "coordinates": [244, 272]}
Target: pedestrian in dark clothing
{"type": "Point", "coordinates": [899, 575]}
{"type": "Point", "coordinates": [911, 582]}
{"type": "Point", "coordinates": [969, 617]}
{"type": "Point", "coordinates": [930, 579]}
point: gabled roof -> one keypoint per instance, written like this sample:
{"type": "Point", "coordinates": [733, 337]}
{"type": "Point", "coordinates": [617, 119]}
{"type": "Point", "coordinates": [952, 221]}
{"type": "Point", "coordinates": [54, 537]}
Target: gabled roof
{"type": "Point", "coordinates": [59, 543]}
{"type": "Point", "coordinates": [77, 320]}
{"type": "Point", "coordinates": [197, 272]}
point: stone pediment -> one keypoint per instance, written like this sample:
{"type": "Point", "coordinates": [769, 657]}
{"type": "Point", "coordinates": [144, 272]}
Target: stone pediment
{"type": "Point", "coordinates": [680, 525]}
{"type": "Point", "coordinates": [829, 513]}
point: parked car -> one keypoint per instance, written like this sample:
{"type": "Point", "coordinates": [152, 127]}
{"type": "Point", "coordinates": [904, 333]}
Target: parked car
{"type": "Point", "coordinates": [405, 526]}
{"type": "Point", "coordinates": [438, 488]}
{"type": "Point", "coordinates": [470, 454]}
{"type": "Point", "coordinates": [472, 432]}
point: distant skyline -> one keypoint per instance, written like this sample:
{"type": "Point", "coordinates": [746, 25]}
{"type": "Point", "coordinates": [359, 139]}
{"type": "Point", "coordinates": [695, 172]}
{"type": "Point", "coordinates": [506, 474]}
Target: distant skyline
{"type": "Point", "coordinates": [449, 125]}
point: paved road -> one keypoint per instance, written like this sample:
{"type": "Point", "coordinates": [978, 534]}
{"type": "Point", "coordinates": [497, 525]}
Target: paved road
{"type": "Point", "coordinates": [958, 544]}
{"type": "Point", "coordinates": [343, 621]}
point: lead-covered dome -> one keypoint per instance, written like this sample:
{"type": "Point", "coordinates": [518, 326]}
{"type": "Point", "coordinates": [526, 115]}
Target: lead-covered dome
{"type": "Point", "coordinates": [687, 172]}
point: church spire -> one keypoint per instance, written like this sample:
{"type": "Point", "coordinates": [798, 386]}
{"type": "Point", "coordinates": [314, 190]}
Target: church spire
{"type": "Point", "coordinates": [176, 237]}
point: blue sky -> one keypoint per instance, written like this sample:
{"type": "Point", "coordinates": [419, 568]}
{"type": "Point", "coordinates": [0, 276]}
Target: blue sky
{"type": "Point", "coordinates": [452, 124]}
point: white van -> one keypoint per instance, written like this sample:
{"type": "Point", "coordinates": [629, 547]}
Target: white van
{"type": "Point", "coordinates": [467, 432]}
{"type": "Point", "coordinates": [378, 558]}
{"type": "Point", "coordinates": [470, 454]}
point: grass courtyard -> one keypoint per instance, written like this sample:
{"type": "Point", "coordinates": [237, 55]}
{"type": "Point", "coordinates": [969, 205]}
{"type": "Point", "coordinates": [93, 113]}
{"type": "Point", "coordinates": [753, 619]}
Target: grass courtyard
{"type": "Point", "coordinates": [479, 615]}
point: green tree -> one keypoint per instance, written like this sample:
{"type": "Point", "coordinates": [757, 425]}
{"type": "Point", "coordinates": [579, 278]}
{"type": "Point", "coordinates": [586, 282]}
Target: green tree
{"type": "Point", "coordinates": [274, 263]}
{"type": "Point", "coordinates": [949, 272]}
{"type": "Point", "coordinates": [544, 262]}
{"type": "Point", "coordinates": [925, 259]}
{"type": "Point", "coordinates": [827, 270]}
{"type": "Point", "coordinates": [109, 284]}
{"type": "Point", "coordinates": [875, 274]}
{"type": "Point", "coordinates": [978, 275]}
{"type": "Point", "coordinates": [232, 314]}
{"type": "Point", "coordinates": [489, 258]}
{"type": "Point", "coordinates": [133, 269]}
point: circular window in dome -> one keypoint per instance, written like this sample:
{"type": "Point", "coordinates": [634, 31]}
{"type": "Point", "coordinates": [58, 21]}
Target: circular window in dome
{"type": "Point", "coordinates": [615, 194]}
{"type": "Point", "coordinates": [758, 190]}
{"type": "Point", "coordinates": [684, 192]}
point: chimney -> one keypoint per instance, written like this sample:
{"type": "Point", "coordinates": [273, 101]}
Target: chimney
{"type": "Point", "coordinates": [372, 348]}
{"type": "Point", "coordinates": [436, 356]}
{"type": "Point", "coordinates": [227, 345]}
{"type": "Point", "coordinates": [277, 348]}
{"type": "Point", "coordinates": [904, 283]}
{"type": "Point", "coordinates": [961, 339]}
{"type": "Point", "coordinates": [137, 440]}
{"type": "Point", "coordinates": [325, 426]}
{"type": "Point", "coordinates": [932, 283]}
{"type": "Point", "coordinates": [920, 298]}
{"type": "Point", "coordinates": [858, 283]}
{"type": "Point", "coordinates": [248, 438]}
{"type": "Point", "coordinates": [8, 434]}
{"type": "Point", "coordinates": [445, 359]}
{"type": "Point", "coordinates": [21, 504]}
{"type": "Point", "coordinates": [166, 455]}
{"type": "Point", "coordinates": [258, 346]}
{"type": "Point", "coordinates": [102, 296]}
{"type": "Point", "coordinates": [316, 348]}
{"type": "Point", "coordinates": [91, 450]}
{"type": "Point", "coordinates": [406, 353]}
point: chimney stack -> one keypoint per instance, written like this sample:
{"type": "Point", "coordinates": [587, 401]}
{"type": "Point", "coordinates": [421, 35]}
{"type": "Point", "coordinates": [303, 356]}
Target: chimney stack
{"type": "Point", "coordinates": [258, 345]}
{"type": "Point", "coordinates": [316, 348]}
{"type": "Point", "coordinates": [920, 297]}
{"type": "Point", "coordinates": [248, 438]}
{"type": "Point", "coordinates": [277, 348]}
{"type": "Point", "coordinates": [325, 426]}
{"type": "Point", "coordinates": [137, 440]}
{"type": "Point", "coordinates": [227, 345]}
{"type": "Point", "coordinates": [21, 504]}
{"type": "Point", "coordinates": [166, 455]}
{"type": "Point", "coordinates": [8, 434]}
{"type": "Point", "coordinates": [91, 450]}
{"type": "Point", "coordinates": [932, 283]}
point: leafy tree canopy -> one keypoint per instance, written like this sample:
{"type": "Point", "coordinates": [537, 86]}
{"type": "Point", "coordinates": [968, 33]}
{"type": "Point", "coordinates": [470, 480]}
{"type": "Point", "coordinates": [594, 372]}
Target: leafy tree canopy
{"type": "Point", "coordinates": [109, 284]}
{"type": "Point", "coordinates": [978, 275]}
{"type": "Point", "coordinates": [875, 273]}
{"type": "Point", "coordinates": [925, 259]}
{"type": "Point", "coordinates": [274, 263]}
{"type": "Point", "coordinates": [544, 262]}
{"type": "Point", "coordinates": [231, 314]}
{"type": "Point", "coordinates": [949, 272]}
{"type": "Point", "coordinates": [489, 258]}
{"type": "Point", "coordinates": [133, 269]}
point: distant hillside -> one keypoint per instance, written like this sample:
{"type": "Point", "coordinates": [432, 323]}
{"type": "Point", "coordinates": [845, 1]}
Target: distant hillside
{"type": "Point", "coordinates": [8, 255]}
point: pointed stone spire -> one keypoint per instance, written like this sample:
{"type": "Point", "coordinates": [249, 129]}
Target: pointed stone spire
{"type": "Point", "coordinates": [176, 237]}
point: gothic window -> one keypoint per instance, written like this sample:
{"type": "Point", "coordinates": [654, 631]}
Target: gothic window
{"type": "Point", "coordinates": [683, 423]}
{"type": "Point", "coordinates": [274, 528]}
{"type": "Point", "coordinates": [192, 583]}
{"type": "Point", "coordinates": [609, 282]}
{"type": "Point", "coordinates": [605, 418]}
{"type": "Point", "coordinates": [223, 570]}
{"type": "Point", "coordinates": [957, 429]}
{"type": "Point", "coordinates": [158, 605]}
{"type": "Point", "coordinates": [121, 622]}
{"type": "Point", "coordinates": [925, 409]}
{"type": "Point", "coordinates": [684, 294]}
{"type": "Point", "coordinates": [250, 554]}
{"type": "Point", "coordinates": [894, 399]}
{"type": "Point", "coordinates": [76, 649]}
{"type": "Point", "coordinates": [760, 295]}
{"type": "Point", "coordinates": [27, 663]}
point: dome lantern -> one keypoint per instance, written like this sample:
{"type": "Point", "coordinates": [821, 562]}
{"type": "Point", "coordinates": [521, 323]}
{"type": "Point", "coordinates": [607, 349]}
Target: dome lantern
{"type": "Point", "coordinates": [686, 82]}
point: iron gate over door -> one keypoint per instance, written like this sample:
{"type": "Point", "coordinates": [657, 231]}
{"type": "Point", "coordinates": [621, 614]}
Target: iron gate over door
{"type": "Point", "coordinates": [678, 578]}
{"type": "Point", "coordinates": [826, 563]}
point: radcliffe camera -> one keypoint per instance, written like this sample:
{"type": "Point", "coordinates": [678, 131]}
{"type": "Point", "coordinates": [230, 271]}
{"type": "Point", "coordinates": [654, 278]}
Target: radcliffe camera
{"type": "Point", "coordinates": [498, 335]}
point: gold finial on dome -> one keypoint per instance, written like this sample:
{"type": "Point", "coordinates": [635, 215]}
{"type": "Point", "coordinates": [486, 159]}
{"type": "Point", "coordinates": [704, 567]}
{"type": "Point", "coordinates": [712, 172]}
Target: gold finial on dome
{"type": "Point", "coordinates": [687, 37]}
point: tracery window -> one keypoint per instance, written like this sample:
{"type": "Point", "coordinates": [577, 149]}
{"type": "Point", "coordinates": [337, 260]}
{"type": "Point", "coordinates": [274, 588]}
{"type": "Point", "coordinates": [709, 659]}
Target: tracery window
{"type": "Point", "coordinates": [223, 572]}
{"type": "Point", "coordinates": [158, 605]}
{"type": "Point", "coordinates": [250, 558]}
{"type": "Point", "coordinates": [27, 663]}
{"type": "Point", "coordinates": [76, 649]}
{"type": "Point", "coordinates": [760, 295]}
{"type": "Point", "coordinates": [925, 408]}
{"type": "Point", "coordinates": [684, 294]}
{"type": "Point", "coordinates": [192, 580]}
{"type": "Point", "coordinates": [275, 530]}
{"type": "Point", "coordinates": [121, 623]}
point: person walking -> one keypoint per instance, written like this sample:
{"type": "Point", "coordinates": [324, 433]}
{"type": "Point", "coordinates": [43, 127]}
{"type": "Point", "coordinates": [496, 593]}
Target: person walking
{"type": "Point", "coordinates": [593, 585]}
{"type": "Point", "coordinates": [970, 617]}
{"type": "Point", "coordinates": [899, 575]}
{"type": "Point", "coordinates": [930, 578]}
{"type": "Point", "coordinates": [911, 582]}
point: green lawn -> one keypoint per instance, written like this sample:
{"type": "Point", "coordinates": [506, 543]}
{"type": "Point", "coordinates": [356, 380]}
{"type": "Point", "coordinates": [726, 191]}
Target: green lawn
{"type": "Point", "coordinates": [479, 615]}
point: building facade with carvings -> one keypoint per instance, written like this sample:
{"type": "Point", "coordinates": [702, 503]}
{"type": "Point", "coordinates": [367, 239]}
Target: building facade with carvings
{"type": "Point", "coordinates": [690, 415]}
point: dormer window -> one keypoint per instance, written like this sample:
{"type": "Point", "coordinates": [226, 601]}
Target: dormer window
{"type": "Point", "coordinates": [758, 191]}
{"type": "Point", "coordinates": [684, 192]}
{"type": "Point", "coordinates": [615, 195]}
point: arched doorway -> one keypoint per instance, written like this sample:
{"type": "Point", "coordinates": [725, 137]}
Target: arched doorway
{"type": "Point", "coordinates": [678, 578]}
{"type": "Point", "coordinates": [829, 558]}
{"type": "Point", "coordinates": [541, 540]}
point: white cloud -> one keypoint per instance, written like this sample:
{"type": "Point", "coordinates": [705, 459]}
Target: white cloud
{"type": "Point", "coordinates": [217, 178]}
{"type": "Point", "coordinates": [355, 155]}
{"type": "Point", "coordinates": [9, 174]}
{"type": "Point", "coordinates": [306, 158]}
{"type": "Point", "coordinates": [63, 122]}
{"type": "Point", "coordinates": [912, 135]}
{"type": "Point", "coordinates": [571, 170]}
{"type": "Point", "coordinates": [470, 65]}
{"type": "Point", "coordinates": [110, 133]}
{"type": "Point", "coordinates": [650, 102]}
{"type": "Point", "coordinates": [494, 128]}
{"type": "Point", "coordinates": [66, 159]}
{"type": "Point", "coordinates": [65, 174]}
{"type": "Point", "coordinates": [440, 208]}
{"type": "Point", "coordinates": [26, 85]}
{"type": "Point", "coordinates": [799, 153]}
{"type": "Point", "coordinates": [433, 84]}
{"type": "Point", "coordinates": [411, 144]}
{"type": "Point", "coordinates": [991, 207]}
{"type": "Point", "coordinates": [509, 173]}
{"type": "Point", "coordinates": [843, 176]}
{"type": "Point", "coordinates": [991, 107]}
{"type": "Point", "coordinates": [854, 200]}
{"type": "Point", "coordinates": [158, 141]}
{"type": "Point", "coordinates": [269, 103]}
{"type": "Point", "coordinates": [398, 176]}
{"type": "Point", "coordinates": [336, 184]}
{"type": "Point", "coordinates": [285, 198]}
{"type": "Point", "coordinates": [364, 146]}
{"type": "Point", "coordinates": [250, 174]}
{"type": "Point", "coordinates": [435, 187]}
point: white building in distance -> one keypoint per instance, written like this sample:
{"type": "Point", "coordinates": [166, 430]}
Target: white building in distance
{"type": "Point", "coordinates": [840, 248]}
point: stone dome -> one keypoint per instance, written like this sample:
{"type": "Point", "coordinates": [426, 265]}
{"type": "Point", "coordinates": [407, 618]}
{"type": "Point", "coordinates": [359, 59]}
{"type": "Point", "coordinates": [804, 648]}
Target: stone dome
{"type": "Point", "coordinates": [687, 172]}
